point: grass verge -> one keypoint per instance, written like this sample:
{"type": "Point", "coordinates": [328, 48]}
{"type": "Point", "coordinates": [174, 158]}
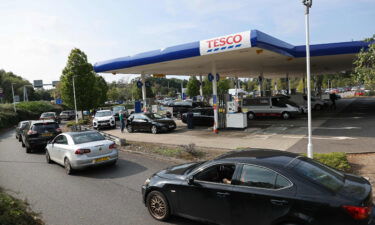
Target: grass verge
{"type": "Point", "coordinates": [16, 212]}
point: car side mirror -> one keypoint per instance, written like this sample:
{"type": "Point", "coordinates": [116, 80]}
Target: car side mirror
{"type": "Point", "coordinates": [190, 180]}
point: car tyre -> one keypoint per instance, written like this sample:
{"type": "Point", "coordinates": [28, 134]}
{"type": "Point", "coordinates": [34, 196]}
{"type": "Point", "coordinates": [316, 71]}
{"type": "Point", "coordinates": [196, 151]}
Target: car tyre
{"type": "Point", "coordinates": [154, 129]}
{"type": "Point", "coordinates": [250, 115]}
{"type": "Point", "coordinates": [23, 144]}
{"type": "Point", "coordinates": [158, 206]}
{"type": "Point", "coordinates": [68, 167]}
{"type": "Point", "coordinates": [28, 150]}
{"type": "Point", "coordinates": [318, 107]}
{"type": "Point", "coordinates": [48, 158]}
{"type": "Point", "coordinates": [285, 115]}
{"type": "Point", "coordinates": [130, 129]}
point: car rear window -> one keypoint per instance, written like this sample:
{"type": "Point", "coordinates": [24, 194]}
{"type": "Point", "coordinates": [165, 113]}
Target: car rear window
{"type": "Point", "coordinates": [81, 138]}
{"type": "Point", "coordinates": [48, 115]}
{"type": "Point", "coordinates": [42, 127]}
{"type": "Point", "coordinates": [321, 174]}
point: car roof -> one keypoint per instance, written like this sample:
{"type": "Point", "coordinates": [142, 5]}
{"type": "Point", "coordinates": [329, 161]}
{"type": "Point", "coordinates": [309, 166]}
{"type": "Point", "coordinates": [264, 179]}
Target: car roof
{"type": "Point", "coordinates": [80, 132]}
{"type": "Point", "coordinates": [32, 122]}
{"type": "Point", "coordinates": [265, 156]}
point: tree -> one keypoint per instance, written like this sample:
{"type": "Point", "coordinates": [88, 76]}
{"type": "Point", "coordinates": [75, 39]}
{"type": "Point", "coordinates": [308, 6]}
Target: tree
{"type": "Point", "coordinates": [364, 71]}
{"type": "Point", "coordinates": [192, 87]}
{"type": "Point", "coordinates": [90, 88]}
{"type": "Point", "coordinates": [113, 94]}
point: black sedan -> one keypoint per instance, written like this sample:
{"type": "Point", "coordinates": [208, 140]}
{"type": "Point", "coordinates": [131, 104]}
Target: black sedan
{"type": "Point", "coordinates": [201, 116]}
{"type": "Point", "coordinates": [262, 187]}
{"type": "Point", "coordinates": [149, 122]}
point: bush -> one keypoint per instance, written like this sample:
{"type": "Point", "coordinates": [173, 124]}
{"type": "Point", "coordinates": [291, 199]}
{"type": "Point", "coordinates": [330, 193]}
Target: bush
{"type": "Point", "coordinates": [16, 212]}
{"type": "Point", "coordinates": [337, 160]}
{"type": "Point", "coordinates": [80, 122]}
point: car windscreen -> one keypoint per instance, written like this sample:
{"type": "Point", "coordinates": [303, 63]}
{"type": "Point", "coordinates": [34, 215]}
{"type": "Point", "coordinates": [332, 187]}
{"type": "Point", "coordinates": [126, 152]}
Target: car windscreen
{"type": "Point", "coordinates": [321, 174]}
{"type": "Point", "coordinates": [43, 127]}
{"type": "Point", "coordinates": [154, 116]}
{"type": "Point", "coordinates": [101, 114]}
{"type": "Point", "coordinates": [287, 101]}
{"type": "Point", "coordinates": [118, 108]}
{"type": "Point", "coordinates": [48, 115]}
{"type": "Point", "coordinates": [87, 137]}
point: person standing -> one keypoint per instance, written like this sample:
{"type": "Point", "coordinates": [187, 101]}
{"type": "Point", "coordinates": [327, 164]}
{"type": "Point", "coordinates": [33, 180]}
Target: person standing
{"type": "Point", "coordinates": [333, 99]}
{"type": "Point", "coordinates": [122, 121]}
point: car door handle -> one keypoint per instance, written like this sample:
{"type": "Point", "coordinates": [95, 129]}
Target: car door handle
{"type": "Point", "coordinates": [279, 202]}
{"type": "Point", "coordinates": [222, 194]}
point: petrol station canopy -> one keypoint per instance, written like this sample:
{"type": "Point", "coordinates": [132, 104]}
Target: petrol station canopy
{"type": "Point", "coordinates": [245, 54]}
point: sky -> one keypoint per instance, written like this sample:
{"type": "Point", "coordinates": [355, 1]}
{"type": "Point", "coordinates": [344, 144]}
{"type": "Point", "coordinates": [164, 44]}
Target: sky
{"type": "Point", "coordinates": [36, 37]}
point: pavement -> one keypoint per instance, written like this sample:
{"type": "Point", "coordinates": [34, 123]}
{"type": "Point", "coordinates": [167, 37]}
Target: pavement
{"type": "Point", "coordinates": [98, 196]}
{"type": "Point", "coordinates": [345, 129]}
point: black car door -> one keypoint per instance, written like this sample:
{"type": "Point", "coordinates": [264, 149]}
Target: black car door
{"type": "Point", "coordinates": [207, 198]}
{"type": "Point", "coordinates": [260, 196]}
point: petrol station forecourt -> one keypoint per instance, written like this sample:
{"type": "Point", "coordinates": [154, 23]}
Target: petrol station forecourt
{"type": "Point", "coordinates": [249, 54]}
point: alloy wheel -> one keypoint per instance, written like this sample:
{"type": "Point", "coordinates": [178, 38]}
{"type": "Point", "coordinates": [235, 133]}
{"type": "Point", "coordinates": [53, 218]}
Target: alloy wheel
{"type": "Point", "coordinates": [157, 207]}
{"type": "Point", "coordinates": [67, 166]}
{"type": "Point", "coordinates": [154, 129]}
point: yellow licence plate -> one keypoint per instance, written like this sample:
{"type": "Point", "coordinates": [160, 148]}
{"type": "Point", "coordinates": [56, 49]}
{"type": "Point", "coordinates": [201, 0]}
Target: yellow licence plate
{"type": "Point", "coordinates": [47, 135]}
{"type": "Point", "coordinates": [101, 159]}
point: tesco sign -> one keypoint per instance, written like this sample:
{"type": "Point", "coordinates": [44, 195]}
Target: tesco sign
{"type": "Point", "coordinates": [225, 43]}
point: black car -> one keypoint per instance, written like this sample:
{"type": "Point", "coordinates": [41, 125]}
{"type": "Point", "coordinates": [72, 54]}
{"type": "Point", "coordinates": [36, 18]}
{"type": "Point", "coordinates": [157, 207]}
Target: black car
{"type": "Point", "coordinates": [149, 122]}
{"type": "Point", "coordinates": [182, 107]}
{"type": "Point", "coordinates": [262, 187]}
{"type": "Point", "coordinates": [38, 133]}
{"type": "Point", "coordinates": [20, 127]}
{"type": "Point", "coordinates": [201, 116]}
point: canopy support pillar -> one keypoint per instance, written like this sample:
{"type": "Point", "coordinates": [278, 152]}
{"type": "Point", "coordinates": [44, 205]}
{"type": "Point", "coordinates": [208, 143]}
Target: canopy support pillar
{"type": "Point", "coordinates": [143, 79]}
{"type": "Point", "coordinates": [214, 97]}
{"type": "Point", "coordinates": [201, 86]}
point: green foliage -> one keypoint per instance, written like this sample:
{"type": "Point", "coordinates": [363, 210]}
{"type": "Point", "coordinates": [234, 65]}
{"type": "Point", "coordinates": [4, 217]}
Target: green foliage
{"type": "Point", "coordinates": [222, 87]}
{"type": "Point", "coordinates": [16, 212]}
{"type": "Point", "coordinates": [364, 71]}
{"type": "Point", "coordinates": [192, 88]}
{"type": "Point", "coordinates": [91, 89]}
{"type": "Point", "coordinates": [6, 80]}
{"type": "Point", "coordinates": [113, 94]}
{"type": "Point", "coordinates": [337, 160]}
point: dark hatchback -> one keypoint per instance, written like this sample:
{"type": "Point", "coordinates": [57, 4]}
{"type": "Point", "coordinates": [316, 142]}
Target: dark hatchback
{"type": "Point", "coordinates": [19, 129]}
{"type": "Point", "coordinates": [201, 116]}
{"type": "Point", "coordinates": [38, 133]}
{"type": "Point", "coordinates": [181, 107]}
{"type": "Point", "coordinates": [262, 187]}
{"type": "Point", "coordinates": [150, 122]}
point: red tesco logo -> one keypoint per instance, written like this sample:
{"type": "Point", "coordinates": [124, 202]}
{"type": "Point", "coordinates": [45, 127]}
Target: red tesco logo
{"type": "Point", "coordinates": [219, 42]}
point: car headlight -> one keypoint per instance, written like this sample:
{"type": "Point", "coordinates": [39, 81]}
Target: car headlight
{"type": "Point", "coordinates": [147, 181]}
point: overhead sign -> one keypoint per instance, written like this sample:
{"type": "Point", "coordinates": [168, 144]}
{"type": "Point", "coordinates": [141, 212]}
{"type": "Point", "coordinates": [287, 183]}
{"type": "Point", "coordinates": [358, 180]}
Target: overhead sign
{"type": "Point", "coordinates": [139, 84]}
{"type": "Point", "coordinates": [38, 83]}
{"type": "Point", "coordinates": [225, 43]}
{"type": "Point", "coordinates": [59, 101]}
{"type": "Point", "coordinates": [158, 75]}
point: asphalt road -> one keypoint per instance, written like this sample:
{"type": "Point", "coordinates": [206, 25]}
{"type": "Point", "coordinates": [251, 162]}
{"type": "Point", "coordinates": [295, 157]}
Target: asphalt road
{"type": "Point", "coordinates": [98, 196]}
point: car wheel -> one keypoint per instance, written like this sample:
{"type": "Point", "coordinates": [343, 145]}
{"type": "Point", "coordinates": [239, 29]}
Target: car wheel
{"type": "Point", "coordinates": [179, 116]}
{"type": "Point", "coordinates": [23, 144]}
{"type": "Point", "coordinates": [154, 129]}
{"type": "Point", "coordinates": [130, 129]}
{"type": "Point", "coordinates": [28, 150]}
{"type": "Point", "coordinates": [285, 115]}
{"type": "Point", "coordinates": [48, 158]}
{"type": "Point", "coordinates": [158, 206]}
{"type": "Point", "coordinates": [68, 167]}
{"type": "Point", "coordinates": [318, 107]}
{"type": "Point", "coordinates": [250, 115]}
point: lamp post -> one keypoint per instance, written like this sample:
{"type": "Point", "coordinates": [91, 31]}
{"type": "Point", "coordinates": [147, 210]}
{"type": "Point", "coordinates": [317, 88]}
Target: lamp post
{"type": "Point", "coordinates": [14, 102]}
{"type": "Point", "coordinates": [308, 4]}
{"type": "Point", "coordinates": [75, 101]}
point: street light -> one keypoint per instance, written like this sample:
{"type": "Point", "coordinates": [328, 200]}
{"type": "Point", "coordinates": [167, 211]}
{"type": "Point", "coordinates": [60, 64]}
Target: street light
{"type": "Point", "coordinates": [308, 4]}
{"type": "Point", "coordinates": [75, 101]}
{"type": "Point", "coordinates": [14, 102]}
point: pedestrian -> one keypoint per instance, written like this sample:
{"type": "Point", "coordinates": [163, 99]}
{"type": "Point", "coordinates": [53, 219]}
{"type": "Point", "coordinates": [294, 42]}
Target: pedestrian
{"type": "Point", "coordinates": [122, 121]}
{"type": "Point", "coordinates": [333, 99]}
{"type": "Point", "coordinates": [189, 118]}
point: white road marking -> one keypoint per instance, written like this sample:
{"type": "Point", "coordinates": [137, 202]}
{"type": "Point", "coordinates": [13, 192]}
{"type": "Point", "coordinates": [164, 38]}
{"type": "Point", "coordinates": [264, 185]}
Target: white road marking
{"type": "Point", "coordinates": [322, 138]}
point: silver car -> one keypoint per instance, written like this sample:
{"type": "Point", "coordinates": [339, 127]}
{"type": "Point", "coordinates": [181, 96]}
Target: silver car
{"type": "Point", "coordinates": [78, 150]}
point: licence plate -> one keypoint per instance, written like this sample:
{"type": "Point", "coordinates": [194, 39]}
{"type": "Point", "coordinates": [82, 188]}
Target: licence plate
{"type": "Point", "coordinates": [101, 159]}
{"type": "Point", "coordinates": [47, 135]}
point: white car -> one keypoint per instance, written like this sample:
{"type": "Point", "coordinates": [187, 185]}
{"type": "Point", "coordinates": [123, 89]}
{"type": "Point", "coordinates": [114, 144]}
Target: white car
{"type": "Point", "coordinates": [78, 150]}
{"type": "Point", "coordinates": [104, 118]}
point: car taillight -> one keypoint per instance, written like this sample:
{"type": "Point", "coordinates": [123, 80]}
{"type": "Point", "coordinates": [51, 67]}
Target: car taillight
{"type": "Point", "coordinates": [357, 212]}
{"type": "Point", "coordinates": [30, 132]}
{"type": "Point", "coordinates": [112, 146]}
{"type": "Point", "coordinates": [82, 151]}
